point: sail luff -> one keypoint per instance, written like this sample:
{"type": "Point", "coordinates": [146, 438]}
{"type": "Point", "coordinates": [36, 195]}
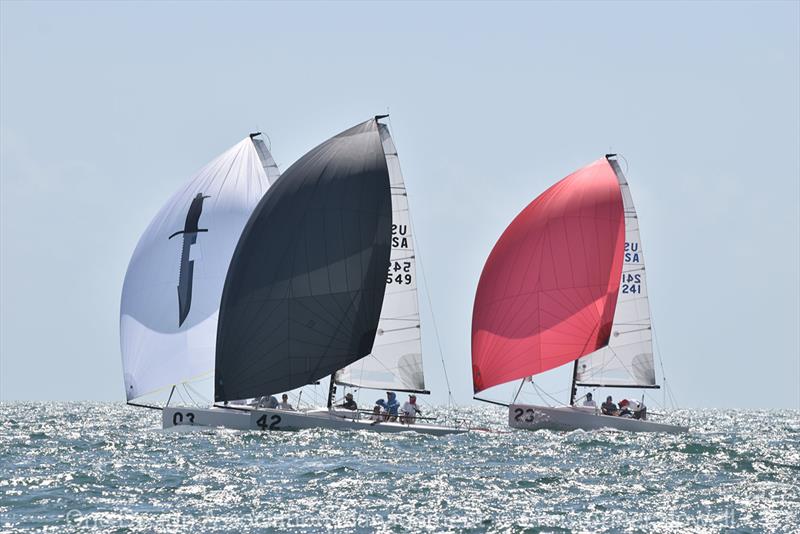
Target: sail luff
{"type": "Point", "coordinates": [396, 359]}
{"type": "Point", "coordinates": [628, 358]}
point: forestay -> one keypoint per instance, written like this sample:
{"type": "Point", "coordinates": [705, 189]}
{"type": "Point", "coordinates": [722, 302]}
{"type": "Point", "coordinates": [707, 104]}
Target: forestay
{"type": "Point", "coordinates": [172, 289]}
{"type": "Point", "coordinates": [396, 359]}
{"type": "Point", "coordinates": [628, 358]}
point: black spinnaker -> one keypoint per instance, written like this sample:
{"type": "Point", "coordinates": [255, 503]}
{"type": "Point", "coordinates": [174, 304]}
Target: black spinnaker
{"type": "Point", "coordinates": [305, 287]}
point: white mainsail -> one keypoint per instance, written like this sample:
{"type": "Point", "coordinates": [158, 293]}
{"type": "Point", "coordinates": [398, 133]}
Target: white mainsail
{"type": "Point", "coordinates": [396, 359]}
{"type": "Point", "coordinates": [172, 289]}
{"type": "Point", "coordinates": [627, 360]}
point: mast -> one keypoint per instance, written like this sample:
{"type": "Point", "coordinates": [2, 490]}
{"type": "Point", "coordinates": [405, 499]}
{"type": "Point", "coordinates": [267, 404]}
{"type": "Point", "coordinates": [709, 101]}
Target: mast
{"type": "Point", "coordinates": [573, 390]}
{"type": "Point", "coordinates": [332, 391]}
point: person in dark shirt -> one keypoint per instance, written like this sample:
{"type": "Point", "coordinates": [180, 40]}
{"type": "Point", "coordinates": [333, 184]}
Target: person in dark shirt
{"type": "Point", "coordinates": [608, 407]}
{"type": "Point", "coordinates": [349, 403]}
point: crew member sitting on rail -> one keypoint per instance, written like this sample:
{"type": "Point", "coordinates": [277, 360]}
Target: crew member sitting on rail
{"type": "Point", "coordinates": [349, 403]}
{"type": "Point", "coordinates": [589, 401]}
{"type": "Point", "coordinates": [409, 411]}
{"type": "Point", "coordinates": [268, 402]}
{"type": "Point", "coordinates": [390, 406]}
{"type": "Point", "coordinates": [608, 407]}
{"type": "Point", "coordinates": [284, 404]}
{"type": "Point", "coordinates": [376, 415]}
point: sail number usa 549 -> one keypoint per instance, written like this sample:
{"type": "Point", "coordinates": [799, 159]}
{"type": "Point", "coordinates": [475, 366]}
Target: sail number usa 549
{"type": "Point", "coordinates": [400, 270]}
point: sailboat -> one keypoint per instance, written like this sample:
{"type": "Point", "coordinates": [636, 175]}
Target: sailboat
{"type": "Point", "coordinates": [307, 293]}
{"type": "Point", "coordinates": [170, 296]}
{"type": "Point", "coordinates": [566, 284]}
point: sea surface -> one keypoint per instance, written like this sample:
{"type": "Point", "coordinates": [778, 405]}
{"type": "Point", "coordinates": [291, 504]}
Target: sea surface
{"type": "Point", "coordinates": [110, 468]}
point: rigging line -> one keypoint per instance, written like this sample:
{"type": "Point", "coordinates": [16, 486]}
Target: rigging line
{"type": "Point", "coordinates": [202, 397]}
{"type": "Point", "coordinates": [415, 327]}
{"type": "Point", "coordinates": [661, 363]}
{"type": "Point", "coordinates": [178, 391]}
{"type": "Point", "coordinates": [539, 392]}
{"type": "Point", "coordinates": [522, 383]}
{"type": "Point", "coordinates": [433, 320]}
{"type": "Point", "coordinates": [417, 255]}
{"type": "Point", "coordinates": [194, 402]}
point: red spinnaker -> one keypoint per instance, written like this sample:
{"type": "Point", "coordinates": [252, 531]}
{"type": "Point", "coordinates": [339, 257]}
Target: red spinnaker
{"type": "Point", "coordinates": [548, 291]}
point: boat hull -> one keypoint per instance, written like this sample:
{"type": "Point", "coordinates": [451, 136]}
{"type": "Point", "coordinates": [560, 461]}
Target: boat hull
{"type": "Point", "coordinates": [531, 417]}
{"type": "Point", "coordinates": [269, 419]}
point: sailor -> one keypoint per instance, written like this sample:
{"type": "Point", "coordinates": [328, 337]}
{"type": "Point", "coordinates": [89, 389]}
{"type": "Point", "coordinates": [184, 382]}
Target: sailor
{"type": "Point", "coordinates": [349, 403]}
{"type": "Point", "coordinates": [409, 411]}
{"type": "Point", "coordinates": [268, 402]}
{"type": "Point", "coordinates": [376, 415]}
{"type": "Point", "coordinates": [589, 401]}
{"type": "Point", "coordinates": [284, 404]}
{"type": "Point", "coordinates": [624, 410]}
{"type": "Point", "coordinates": [390, 405]}
{"type": "Point", "coordinates": [608, 407]}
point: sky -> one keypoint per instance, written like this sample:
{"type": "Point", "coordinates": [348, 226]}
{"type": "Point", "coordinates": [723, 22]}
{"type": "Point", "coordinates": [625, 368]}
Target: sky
{"type": "Point", "coordinates": [107, 108]}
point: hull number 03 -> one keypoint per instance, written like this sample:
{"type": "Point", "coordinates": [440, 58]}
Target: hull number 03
{"type": "Point", "coordinates": [177, 418]}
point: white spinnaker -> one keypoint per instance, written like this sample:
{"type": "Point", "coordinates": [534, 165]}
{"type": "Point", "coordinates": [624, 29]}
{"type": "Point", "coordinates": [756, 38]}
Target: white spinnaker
{"type": "Point", "coordinates": [628, 358]}
{"type": "Point", "coordinates": [162, 342]}
{"type": "Point", "coordinates": [396, 359]}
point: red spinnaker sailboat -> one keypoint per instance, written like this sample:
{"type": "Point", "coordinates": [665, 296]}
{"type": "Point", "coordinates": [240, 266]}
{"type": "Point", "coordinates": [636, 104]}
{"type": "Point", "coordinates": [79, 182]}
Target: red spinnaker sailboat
{"type": "Point", "coordinates": [549, 295]}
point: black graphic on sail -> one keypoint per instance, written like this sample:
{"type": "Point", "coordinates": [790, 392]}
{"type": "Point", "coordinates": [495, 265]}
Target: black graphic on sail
{"type": "Point", "coordinates": [190, 231]}
{"type": "Point", "coordinates": [305, 286]}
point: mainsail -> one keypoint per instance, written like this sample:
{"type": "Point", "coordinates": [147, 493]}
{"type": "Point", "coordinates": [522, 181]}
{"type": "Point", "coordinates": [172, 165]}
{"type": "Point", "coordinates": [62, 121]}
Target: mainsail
{"type": "Point", "coordinates": [306, 283]}
{"type": "Point", "coordinates": [396, 359]}
{"type": "Point", "coordinates": [549, 288]}
{"type": "Point", "coordinates": [628, 358]}
{"type": "Point", "coordinates": [171, 294]}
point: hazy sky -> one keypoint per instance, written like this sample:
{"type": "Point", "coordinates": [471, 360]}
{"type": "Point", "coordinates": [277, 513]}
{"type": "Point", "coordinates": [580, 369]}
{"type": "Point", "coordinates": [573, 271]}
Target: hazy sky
{"type": "Point", "coordinates": [107, 108]}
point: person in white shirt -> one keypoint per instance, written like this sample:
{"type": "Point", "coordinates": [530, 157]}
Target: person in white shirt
{"type": "Point", "coordinates": [409, 411]}
{"type": "Point", "coordinates": [589, 401]}
{"type": "Point", "coordinates": [284, 404]}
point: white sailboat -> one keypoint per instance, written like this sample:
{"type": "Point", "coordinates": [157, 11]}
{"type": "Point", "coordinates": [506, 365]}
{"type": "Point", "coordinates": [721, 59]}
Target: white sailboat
{"type": "Point", "coordinates": [305, 285]}
{"type": "Point", "coordinates": [575, 260]}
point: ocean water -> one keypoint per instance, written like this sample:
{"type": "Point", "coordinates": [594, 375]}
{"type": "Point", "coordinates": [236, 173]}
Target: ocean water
{"type": "Point", "coordinates": [107, 467]}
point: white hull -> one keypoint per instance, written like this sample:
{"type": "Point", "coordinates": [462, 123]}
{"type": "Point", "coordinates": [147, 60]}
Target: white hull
{"type": "Point", "coordinates": [529, 417]}
{"type": "Point", "coordinates": [242, 418]}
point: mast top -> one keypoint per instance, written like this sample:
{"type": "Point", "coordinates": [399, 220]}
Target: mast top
{"type": "Point", "coordinates": [379, 117]}
{"type": "Point", "coordinates": [254, 134]}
